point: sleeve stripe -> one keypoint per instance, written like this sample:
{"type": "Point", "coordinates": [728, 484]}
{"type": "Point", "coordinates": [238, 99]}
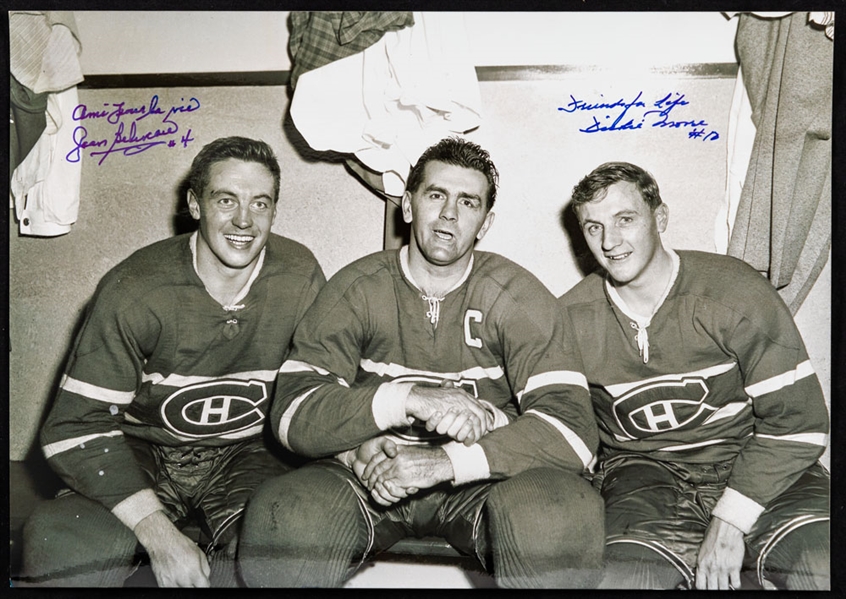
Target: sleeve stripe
{"type": "Point", "coordinates": [299, 366]}
{"type": "Point", "coordinates": [820, 439]}
{"type": "Point", "coordinates": [285, 421]}
{"type": "Point", "coordinates": [781, 381]}
{"type": "Point", "coordinates": [397, 370]}
{"type": "Point", "coordinates": [557, 377]}
{"type": "Point", "coordinates": [97, 393]}
{"type": "Point", "coordinates": [579, 446]}
{"type": "Point", "coordinates": [178, 380]}
{"type": "Point", "coordinates": [62, 446]}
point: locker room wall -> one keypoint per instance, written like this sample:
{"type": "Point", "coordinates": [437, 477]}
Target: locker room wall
{"type": "Point", "coordinates": [130, 201]}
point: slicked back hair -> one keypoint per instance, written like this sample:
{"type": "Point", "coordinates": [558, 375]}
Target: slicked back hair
{"type": "Point", "coordinates": [457, 152]}
{"type": "Point", "coordinates": [241, 148]}
{"type": "Point", "coordinates": [595, 185]}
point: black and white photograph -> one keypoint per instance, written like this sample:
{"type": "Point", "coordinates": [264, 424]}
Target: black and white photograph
{"type": "Point", "coordinates": [482, 299]}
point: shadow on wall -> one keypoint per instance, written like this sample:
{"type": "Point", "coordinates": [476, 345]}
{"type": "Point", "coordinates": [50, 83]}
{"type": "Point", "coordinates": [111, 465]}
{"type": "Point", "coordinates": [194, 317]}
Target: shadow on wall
{"type": "Point", "coordinates": [585, 261]}
{"type": "Point", "coordinates": [182, 221]}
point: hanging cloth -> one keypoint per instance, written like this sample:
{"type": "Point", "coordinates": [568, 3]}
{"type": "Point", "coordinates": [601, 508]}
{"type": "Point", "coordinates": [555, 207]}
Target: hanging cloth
{"type": "Point", "coordinates": [318, 38]}
{"type": "Point", "coordinates": [783, 221]}
{"type": "Point", "coordinates": [394, 99]}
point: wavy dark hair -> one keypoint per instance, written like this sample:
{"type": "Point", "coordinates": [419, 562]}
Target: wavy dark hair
{"type": "Point", "coordinates": [242, 148]}
{"type": "Point", "coordinates": [595, 185]}
{"type": "Point", "coordinates": [457, 152]}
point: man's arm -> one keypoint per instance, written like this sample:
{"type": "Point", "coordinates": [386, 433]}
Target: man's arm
{"type": "Point", "coordinates": [556, 426]}
{"type": "Point", "coordinates": [319, 409]}
{"type": "Point", "coordinates": [85, 445]}
{"type": "Point", "coordinates": [791, 420]}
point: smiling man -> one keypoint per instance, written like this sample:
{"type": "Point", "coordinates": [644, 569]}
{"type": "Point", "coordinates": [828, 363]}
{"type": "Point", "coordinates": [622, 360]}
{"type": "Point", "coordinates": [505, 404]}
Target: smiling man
{"type": "Point", "coordinates": [711, 418]}
{"type": "Point", "coordinates": [438, 383]}
{"type": "Point", "coordinates": [159, 418]}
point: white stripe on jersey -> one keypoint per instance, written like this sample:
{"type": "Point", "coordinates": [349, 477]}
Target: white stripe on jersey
{"type": "Point", "coordinates": [247, 432]}
{"type": "Point", "coordinates": [623, 388]}
{"type": "Point", "coordinates": [299, 366]}
{"type": "Point", "coordinates": [820, 439]}
{"type": "Point", "coordinates": [695, 445]}
{"type": "Point", "coordinates": [178, 380]}
{"type": "Point", "coordinates": [728, 411]}
{"type": "Point", "coordinates": [781, 381]}
{"type": "Point", "coordinates": [571, 437]}
{"type": "Point", "coordinates": [62, 446]}
{"type": "Point", "coordinates": [396, 370]}
{"type": "Point", "coordinates": [98, 393]}
{"type": "Point", "coordinates": [556, 377]}
{"type": "Point", "coordinates": [285, 420]}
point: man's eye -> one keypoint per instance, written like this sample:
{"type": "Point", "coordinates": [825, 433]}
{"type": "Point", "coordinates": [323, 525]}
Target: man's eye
{"type": "Point", "coordinates": [260, 206]}
{"type": "Point", "coordinates": [226, 202]}
{"type": "Point", "coordinates": [592, 229]}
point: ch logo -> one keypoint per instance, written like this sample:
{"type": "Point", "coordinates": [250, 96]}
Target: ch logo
{"type": "Point", "coordinates": [663, 406]}
{"type": "Point", "coordinates": [469, 339]}
{"type": "Point", "coordinates": [215, 408]}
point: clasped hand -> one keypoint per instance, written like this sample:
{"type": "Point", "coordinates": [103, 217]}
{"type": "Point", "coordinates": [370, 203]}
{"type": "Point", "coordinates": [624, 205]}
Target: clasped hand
{"type": "Point", "coordinates": [450, 411]}
{"type": "Point", "coordinates": [392, 472]}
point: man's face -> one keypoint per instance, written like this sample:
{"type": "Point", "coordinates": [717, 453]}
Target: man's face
{"type": "Point", "coordinates": [623, 233]}
{"type": "Point", "coordinates": [448, 213]}
{"type": "Point", "coordinates": [236, 211]}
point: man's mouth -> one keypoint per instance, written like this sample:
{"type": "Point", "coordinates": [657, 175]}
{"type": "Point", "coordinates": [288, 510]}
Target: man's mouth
{"type": "Point", "coordinates": [618, 257]}
{"type": "Point", "coordinates": [239, 241]}
{"type": "Point", "coordinates": [445, 235]}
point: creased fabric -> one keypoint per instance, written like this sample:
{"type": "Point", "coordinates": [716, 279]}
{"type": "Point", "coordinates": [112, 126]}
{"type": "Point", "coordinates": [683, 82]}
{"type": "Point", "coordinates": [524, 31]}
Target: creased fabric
{"type": "Point", "coordinates": [318, 38]}
{"type": "Point", "coordinates": [45, 186]}
{"type": "Point", "coordinates": [783, 222]}
{"type": "Point", "coordinates": [394, 99]}
{"type": "Point", "coordinates": [44, 50]}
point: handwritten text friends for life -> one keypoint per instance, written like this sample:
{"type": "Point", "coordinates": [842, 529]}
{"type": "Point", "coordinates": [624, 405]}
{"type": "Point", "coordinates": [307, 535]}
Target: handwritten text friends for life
{"type": "Point", "coordinates": [631, 115]}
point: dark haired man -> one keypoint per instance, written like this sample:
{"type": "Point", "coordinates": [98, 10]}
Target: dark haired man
{"type": "Point", "coordinates": [711, 418]}
{"type": "Point", "coordinates": [158, 421]}
{"type": "Point", "coordinates": [441, 380]}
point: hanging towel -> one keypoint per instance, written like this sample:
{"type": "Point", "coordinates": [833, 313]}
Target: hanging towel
{"type": "Point", "coordinates": [45, 186]}
{"type": "Point", "coordinates": [318, 38]}
{"type": "Point", "coordinates": [391, 101]}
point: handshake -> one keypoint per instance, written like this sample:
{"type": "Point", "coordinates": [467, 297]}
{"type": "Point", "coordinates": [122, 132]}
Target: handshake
{"type": "Point", "coordinates": [392, 470]}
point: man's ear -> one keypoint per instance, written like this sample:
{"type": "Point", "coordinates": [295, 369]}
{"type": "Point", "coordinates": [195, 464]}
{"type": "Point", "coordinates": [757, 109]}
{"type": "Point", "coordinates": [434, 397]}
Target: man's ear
{"type": "Point", "coordinates": [662, 217]}
{"type": "Point", "coordinates": [489, 220]}
{"type": "Point", "coordinates": [193, 205]}
{"type": "Point", "coordinates": [406, 207]}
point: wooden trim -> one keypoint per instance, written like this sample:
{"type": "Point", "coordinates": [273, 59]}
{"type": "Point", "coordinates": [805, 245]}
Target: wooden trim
{"type": "Point", "coordinates": [144, 80]}
{"type": "Point", "coordinates": [711, 70]}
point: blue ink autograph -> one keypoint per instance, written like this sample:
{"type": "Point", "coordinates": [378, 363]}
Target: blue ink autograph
{"type": "Point", "coordinates": [133, 134]}
{"type": "Point", "coordinates": [630, 115]}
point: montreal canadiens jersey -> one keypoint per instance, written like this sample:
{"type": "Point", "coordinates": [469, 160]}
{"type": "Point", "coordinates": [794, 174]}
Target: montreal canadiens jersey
{"type": "Point", "coordinates": [727, 375]}
{"type": "Point", "coordinates": [159, 359]}
{"type": "Point", "coordinates": [497, 334]}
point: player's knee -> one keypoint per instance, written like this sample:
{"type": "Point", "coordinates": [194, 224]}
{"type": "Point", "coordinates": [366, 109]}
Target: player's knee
{"type": "Point", "coordinates": [801, 560]}
{"type": "Point", "coordinates": [634, 566]}
{"type": "Point", "coordinates": [553, 508]}
{"type": "Point", "coordinates": [287, 510]}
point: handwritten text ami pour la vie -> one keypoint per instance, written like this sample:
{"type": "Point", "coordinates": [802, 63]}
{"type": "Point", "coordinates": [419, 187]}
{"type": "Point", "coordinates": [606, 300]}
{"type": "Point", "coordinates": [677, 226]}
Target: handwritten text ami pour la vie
{"type": "Point", "coordinates": [128, 137]}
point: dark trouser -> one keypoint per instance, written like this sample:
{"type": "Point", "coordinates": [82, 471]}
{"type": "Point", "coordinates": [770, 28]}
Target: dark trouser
{"type": "Point", "coordinates": [657, 514]}
{"type": "Point", "coordinates": [314, 527]}
{"type": "Point", "coordinates": [75, 541]}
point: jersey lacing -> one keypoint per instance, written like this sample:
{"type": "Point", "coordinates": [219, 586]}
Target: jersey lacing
{"type": "Point", "coordinates": [434, 312]}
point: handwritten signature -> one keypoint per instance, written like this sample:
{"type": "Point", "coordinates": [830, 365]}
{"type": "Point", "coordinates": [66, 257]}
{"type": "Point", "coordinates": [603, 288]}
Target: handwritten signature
{"type": "Point", "coordinates": [133, 133]}
{"type": "Point", "coordinates": [622, 115]}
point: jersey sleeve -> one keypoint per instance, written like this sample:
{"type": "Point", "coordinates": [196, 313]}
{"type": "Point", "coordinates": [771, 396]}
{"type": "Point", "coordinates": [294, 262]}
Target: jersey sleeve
{"type": "Point", "coordinates": [82, 437]}
{"type": "Point", "coordinates": [318, 410]}
{"type": "Point", "coordinates": [555, 426]}
{"type": "Point", "coordinates": [791, 430]}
